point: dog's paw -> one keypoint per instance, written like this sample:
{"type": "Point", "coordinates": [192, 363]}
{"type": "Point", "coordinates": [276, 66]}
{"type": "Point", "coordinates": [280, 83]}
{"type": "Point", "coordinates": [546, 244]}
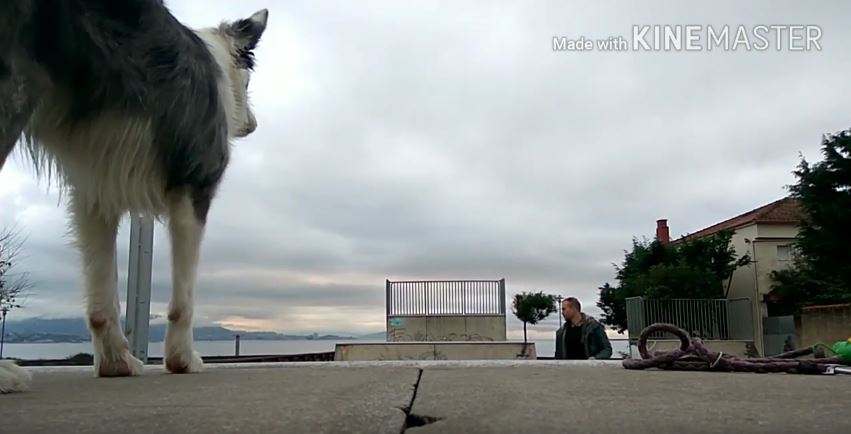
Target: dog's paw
{"type": "Point", "coordinates": [13, 378]}
{"type": "Point", "coordinates": [184, 362]}
{"type": "Point", "coordinates": [124, 365]}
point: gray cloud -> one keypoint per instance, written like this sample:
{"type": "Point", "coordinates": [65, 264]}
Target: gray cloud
{"type": "Point", "coordinates": [447, 140]}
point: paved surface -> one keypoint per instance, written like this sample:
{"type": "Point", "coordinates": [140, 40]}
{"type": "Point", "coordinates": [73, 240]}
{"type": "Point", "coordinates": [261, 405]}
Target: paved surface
{"type": "Point", "coordinates": [510, 397]}
{"type": "Point", "coordinates": [259, 400]}
{"type": "Point", "coordinates": [613, 399]}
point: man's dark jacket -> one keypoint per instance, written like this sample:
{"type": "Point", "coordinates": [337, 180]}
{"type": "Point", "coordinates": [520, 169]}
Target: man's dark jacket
{"type": "Point", "coordinates": [594, 339]}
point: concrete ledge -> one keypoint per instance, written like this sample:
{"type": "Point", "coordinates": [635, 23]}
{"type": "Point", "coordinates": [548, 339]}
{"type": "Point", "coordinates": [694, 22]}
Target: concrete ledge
{"type": "Point", "coordinates": [439, 350]}
{"type": "Point", "coordinates": [422, 364]}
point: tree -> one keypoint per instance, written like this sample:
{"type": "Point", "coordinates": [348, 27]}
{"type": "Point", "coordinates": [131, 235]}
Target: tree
{"type": "Point", "coordinates": [821, 271]}
{"type": "Point", "coordinates": [532, 308]}
{"type": "Point", "coordinates": [694, 268]}
{"type": "Point", "coordinates": [12, 285]}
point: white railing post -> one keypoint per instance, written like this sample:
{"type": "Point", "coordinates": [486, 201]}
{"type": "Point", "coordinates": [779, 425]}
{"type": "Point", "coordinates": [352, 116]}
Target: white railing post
{"type": "Point", "coordinates": [139, 285]}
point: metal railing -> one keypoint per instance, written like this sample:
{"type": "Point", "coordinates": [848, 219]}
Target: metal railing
{"type": "Point", "coordinates": [721, 319]}
{"type": "Point", "coordinates": [445, 298]}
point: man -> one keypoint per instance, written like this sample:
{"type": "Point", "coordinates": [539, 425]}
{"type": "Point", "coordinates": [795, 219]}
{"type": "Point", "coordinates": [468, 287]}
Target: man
{"type": "Point", "coordinates": [581, 337]}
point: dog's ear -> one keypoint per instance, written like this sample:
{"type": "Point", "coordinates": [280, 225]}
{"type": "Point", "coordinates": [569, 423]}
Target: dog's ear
{"type": "Point", "coordinates": [246, 33]}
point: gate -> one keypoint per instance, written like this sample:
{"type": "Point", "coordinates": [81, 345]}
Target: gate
{"type": "Point", "coordinates": [441, 310]}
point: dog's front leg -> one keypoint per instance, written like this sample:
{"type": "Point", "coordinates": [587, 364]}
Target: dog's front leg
{"type": "Point", "coordinates": [96, 235]}
{"type": "Point", "coordinates": [186, 232]}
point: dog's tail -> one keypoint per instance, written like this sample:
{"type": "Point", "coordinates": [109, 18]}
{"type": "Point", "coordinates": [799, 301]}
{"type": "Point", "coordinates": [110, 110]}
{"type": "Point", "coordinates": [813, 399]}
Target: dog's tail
{"type": "Point", "coordinates": [13, 378]}
{"type": "Point", "coordinates": [16, 106]}
{"type": "Point", "coordinates": [14, 15]}
{"type": "Point", "coordinates": [16, 102]}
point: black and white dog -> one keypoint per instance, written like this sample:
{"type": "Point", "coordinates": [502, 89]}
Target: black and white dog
{"type": "Point", "coordinates": [130, 111]}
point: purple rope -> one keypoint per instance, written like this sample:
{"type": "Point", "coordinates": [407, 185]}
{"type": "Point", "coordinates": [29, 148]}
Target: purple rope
{"type": "Point", "coordinates": [692, 355]}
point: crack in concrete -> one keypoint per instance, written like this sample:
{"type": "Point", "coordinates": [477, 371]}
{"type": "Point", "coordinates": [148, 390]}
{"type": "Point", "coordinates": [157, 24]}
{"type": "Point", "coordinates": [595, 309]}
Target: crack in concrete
{"type": "Point", "coordinates": [413, 420]}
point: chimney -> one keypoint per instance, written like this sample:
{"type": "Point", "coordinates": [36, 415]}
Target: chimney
{"type": "Point", "coordinates": [662, 233]}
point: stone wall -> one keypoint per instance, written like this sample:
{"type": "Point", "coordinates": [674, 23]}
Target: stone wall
{"type": "Point", "coordinates": [827, 324]}
{"type": "Point", "coordinates": [446, 328]}
{"type": "Point", "coordinates": [435, 351]}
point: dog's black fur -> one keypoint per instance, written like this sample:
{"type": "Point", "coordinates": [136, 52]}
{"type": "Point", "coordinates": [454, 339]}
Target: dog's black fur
{"type": "Point", "coordinates": [127, 56]}
{"type": "Point", "coordinates": [135, 112]}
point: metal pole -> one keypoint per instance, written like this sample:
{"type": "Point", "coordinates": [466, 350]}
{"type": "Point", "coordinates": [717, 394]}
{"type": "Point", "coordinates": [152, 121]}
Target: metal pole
{"type": "Point", "coordinates": [236, 346]}
{"type": "Point", "coordinates": [559, 310]}
{"type": "Point", "coordinates": [387, 302]}
{"type": "Point", "coordinates": [139, 285]}
{"type": "Point", "coordinates": [3, 332]}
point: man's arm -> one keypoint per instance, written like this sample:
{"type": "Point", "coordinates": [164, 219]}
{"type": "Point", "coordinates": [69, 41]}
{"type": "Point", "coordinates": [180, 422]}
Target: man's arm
{"type": "Point", "coordinates": [603, 342]}
{"type": "Point", "coordinates": [559, 349]}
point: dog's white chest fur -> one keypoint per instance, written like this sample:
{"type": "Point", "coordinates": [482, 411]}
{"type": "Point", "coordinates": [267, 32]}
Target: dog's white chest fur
{"type": "Point", "coordinates": [110, 165]}
{"type": "Point", "coordinates": [164, 156]}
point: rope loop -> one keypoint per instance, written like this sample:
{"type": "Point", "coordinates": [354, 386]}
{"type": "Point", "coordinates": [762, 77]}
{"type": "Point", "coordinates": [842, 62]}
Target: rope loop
{"type": "Point", "coordinates": [693, 355]}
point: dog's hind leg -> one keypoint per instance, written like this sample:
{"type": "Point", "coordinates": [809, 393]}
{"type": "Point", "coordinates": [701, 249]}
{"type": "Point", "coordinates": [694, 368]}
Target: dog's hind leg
{"type": "Point", "coordinates": [186, 231]}
{"type": "Point", "coordinates": [96, 234]}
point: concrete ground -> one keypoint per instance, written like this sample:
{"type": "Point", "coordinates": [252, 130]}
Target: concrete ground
{"type": "Point", "coordinates": [392, 397]}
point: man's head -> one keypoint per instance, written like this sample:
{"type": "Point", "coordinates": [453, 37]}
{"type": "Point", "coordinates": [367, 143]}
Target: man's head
{"type": "Point", "coordinates": [571, 309]}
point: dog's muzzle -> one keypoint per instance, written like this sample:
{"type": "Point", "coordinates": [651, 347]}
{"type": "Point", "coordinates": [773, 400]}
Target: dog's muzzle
{"type": "Point", "coordinates": [248, 128]}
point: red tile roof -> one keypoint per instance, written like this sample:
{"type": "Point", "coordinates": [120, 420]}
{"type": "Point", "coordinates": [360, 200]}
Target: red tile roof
{"type": "Point", "coordinates": [783, 211]}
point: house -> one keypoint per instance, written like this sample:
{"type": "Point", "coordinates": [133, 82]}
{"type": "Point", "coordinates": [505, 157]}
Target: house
{"type": "Point", "coordinates": [766, 234]}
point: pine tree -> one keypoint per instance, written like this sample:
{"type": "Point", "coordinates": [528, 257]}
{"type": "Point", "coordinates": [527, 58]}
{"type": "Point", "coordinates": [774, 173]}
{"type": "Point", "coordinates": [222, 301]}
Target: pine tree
{"type": "Point", "coordinates": [822, 265]}
{"type": "Point", "coordinates": [697, 268]}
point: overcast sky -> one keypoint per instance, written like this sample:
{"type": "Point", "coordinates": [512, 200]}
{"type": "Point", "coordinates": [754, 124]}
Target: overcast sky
{"type": "Point", "coordinates": [447, 140]}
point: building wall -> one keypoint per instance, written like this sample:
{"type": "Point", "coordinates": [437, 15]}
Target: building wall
{"type": "Point", "coordinates": [742, 284]}
{"type": "Point", "coordinates": [754, 280]}
{"type": "Point", "coordinates": [767, 261]}
{"type": "Point", "coordinates": [763, 249]}
{"type": "Point", "coordinates": [777, 231]}
{"type": "Point", "coordinates": [773, 252]}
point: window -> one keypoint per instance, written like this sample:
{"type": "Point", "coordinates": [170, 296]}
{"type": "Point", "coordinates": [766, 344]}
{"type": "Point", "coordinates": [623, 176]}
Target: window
{"type": "Point", "coordinates": [784, 253]}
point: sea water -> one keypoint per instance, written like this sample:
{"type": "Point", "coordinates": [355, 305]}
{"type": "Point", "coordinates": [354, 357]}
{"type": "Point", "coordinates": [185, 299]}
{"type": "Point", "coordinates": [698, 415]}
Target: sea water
{"type": "Point", "coordinates": [34, 351]}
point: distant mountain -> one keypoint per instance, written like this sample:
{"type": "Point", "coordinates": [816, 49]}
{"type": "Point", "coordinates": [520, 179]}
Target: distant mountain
{"type": "Point", "coordinates": [58, 326]}
{"type": "Point", "coordinates": [74, 330]}
{"type": "Point", "coordinates": [35, 338]}
{"type": "Point", "coordinates": [374, 336]}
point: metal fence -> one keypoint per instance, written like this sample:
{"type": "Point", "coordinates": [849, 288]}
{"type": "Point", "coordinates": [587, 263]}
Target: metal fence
{"type": "Point", "coordinates": [722, 319]}
{"type": "Point", "coordinates": [445, 298]}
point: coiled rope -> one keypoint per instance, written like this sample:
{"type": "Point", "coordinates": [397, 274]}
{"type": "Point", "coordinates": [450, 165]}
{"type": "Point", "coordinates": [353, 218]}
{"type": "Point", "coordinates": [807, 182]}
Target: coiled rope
{"type": "Point", "coordinates": [692, 355]}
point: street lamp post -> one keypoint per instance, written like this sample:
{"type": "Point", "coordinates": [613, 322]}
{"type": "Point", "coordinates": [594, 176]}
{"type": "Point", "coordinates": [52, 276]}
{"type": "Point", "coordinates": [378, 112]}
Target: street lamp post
{"type": "Point", "coordinates": [3, 310]}
{"type": "Point", "coordinates": [559, 312]}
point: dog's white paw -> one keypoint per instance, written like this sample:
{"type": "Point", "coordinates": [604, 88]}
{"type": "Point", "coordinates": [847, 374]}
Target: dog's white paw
{"type": "Point", "coordinates": [121, 365]}
{"type": "Point", "coordinates": [13, 378]}
{"type": "Point", "coordinates": [184, 362]}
